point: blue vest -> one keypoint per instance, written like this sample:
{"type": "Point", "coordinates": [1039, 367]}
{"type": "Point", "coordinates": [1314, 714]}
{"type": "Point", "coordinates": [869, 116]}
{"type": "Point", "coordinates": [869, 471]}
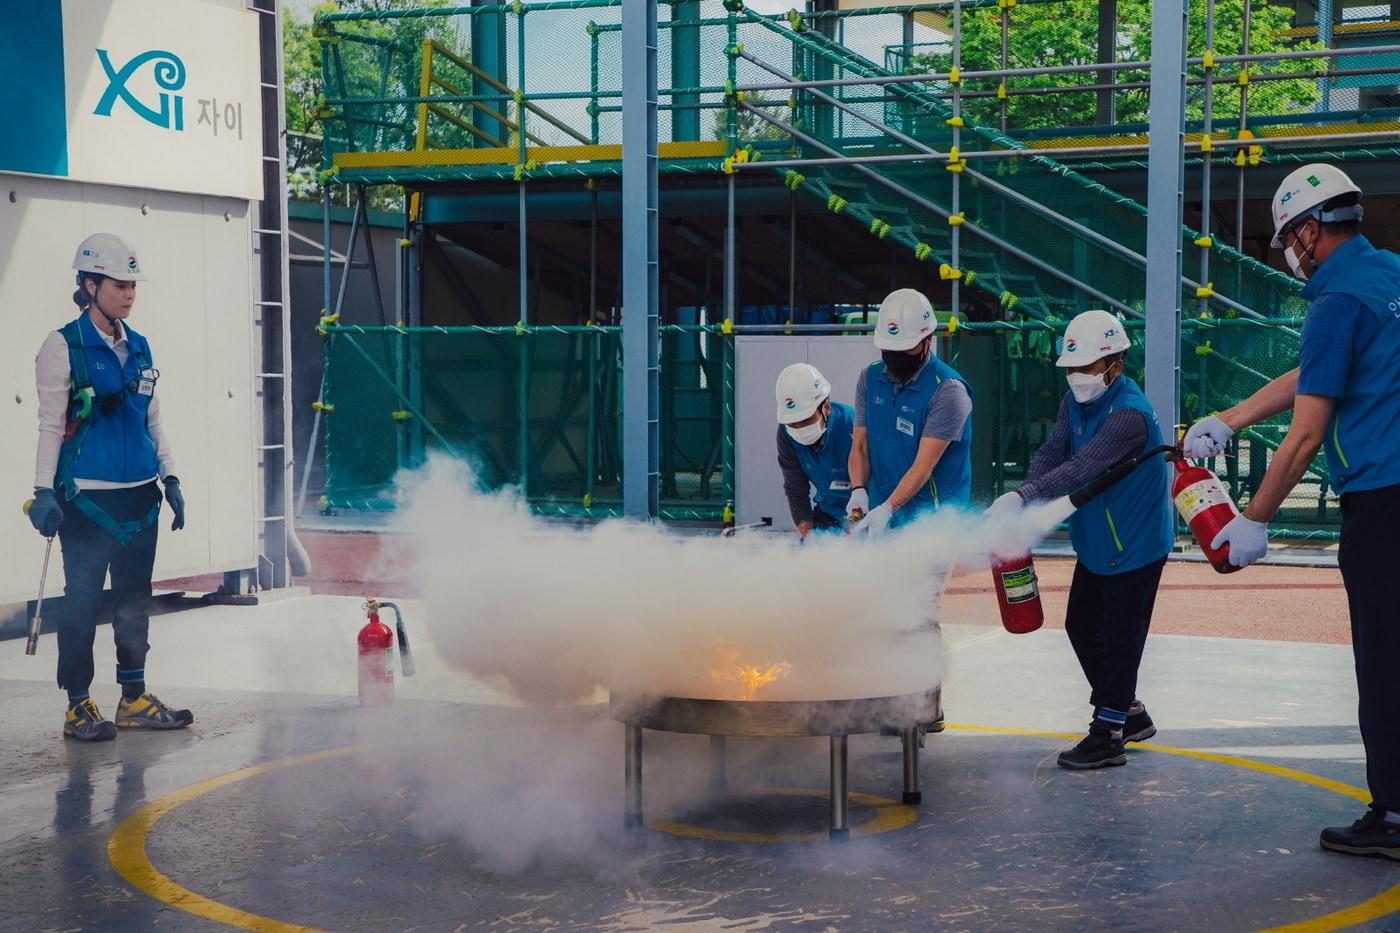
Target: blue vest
{"type": "Point", "coordinates": [1363, 439]}
{"type": "Point", "coordinates": [1130, 525]}
{"type": "Point", "coordinates": [117, 447]}
{"type": "Point", "coordinates": [825, 463]}
{"type": "Point", "coordinates": [894, 421]}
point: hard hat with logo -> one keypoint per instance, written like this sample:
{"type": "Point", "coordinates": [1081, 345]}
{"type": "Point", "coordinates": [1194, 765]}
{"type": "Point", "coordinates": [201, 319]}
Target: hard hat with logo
{"type": "Point", "coordinates": [801, 390]}
{"type": "Point", "coordinates": [1091, 336]}
{"type": "Point", "coordinates": [108, 254]}
{"type": "Point", "coordinates": [905, 318]}
{"type": "Point", "coordinates": [1304, 191]}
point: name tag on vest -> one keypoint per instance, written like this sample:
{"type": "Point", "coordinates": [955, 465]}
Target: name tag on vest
{"type": "Point", "coordinates": [840, 485]}
{"type": "Point", "coordinates": [147, 385]}
{"type": "Point", "coordinates": [904, 426]}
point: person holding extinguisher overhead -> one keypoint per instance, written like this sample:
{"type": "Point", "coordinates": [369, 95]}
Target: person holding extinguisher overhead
{"type": "Point", "coordinates": [101, 451]}
{"type": "Point", "coordinates": [1345, 398]}
{"type": "Point", "coordinates": [1121, 539]}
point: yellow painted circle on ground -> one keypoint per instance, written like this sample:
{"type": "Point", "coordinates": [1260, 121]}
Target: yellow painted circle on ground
{"type": "Point", "coordinates": [126, 849]}
{"type": "Point", "coordinates": [889, 815]}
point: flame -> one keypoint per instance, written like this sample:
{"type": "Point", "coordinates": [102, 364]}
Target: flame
{"type": "Point", "coordinates": [740, 680]}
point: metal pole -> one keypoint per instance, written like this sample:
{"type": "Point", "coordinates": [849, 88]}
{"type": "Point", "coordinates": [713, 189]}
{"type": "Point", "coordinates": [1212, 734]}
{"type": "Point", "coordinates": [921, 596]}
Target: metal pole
{"type": "Point", "coordinates": [641, 392]}
{"type": "Point", "coordinates": [1244, 124]}
{"type": "Point", "coordinates": [1108, 51]}
{"type": "Point", "coordinates": [1203, 305]}
{"type": "Point", "coordinates": [1165, 178]}
{"type": "Point", "coordinates": [592, 454]}
{"type": "Point", "coordinates": [1005, 60]}
{"type": "Point", "coordinates": [632, 778]}
{"type": "Point", "coordinates": [838, 832]}
{"type": "Point", "coordinates": [522, 449]}
{"type": "Point", "coordinates": [954, 241]}
{"type": "Point", "coordinates": [909, 738]}
{"type": "Point", "coordinates": [792, 256]}
{"type": "Point", "coordinates": [727, 348]}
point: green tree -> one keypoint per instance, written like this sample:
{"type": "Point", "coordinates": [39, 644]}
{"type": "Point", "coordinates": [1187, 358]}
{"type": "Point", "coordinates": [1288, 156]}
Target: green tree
{"type": "Point", "coordinates": [1066, 33]}
{"type": "Point", "coordinates": [751, 127]}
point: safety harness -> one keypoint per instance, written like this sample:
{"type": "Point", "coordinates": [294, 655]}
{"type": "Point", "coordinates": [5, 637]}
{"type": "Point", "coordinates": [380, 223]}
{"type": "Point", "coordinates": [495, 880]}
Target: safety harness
{"type": "Point", "coordinates": [84, 407]}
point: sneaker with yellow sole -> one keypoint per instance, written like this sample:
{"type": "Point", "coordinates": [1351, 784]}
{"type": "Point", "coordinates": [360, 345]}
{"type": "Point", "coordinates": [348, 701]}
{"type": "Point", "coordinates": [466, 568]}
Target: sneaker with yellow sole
{"type": "Point", "coordinates": [85, 722]}
{"type": "Point", "coordinates": [148, 712]}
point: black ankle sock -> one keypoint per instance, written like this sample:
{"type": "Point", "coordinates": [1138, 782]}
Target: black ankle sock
{"type": "Point", "coordinates": [133, 690]}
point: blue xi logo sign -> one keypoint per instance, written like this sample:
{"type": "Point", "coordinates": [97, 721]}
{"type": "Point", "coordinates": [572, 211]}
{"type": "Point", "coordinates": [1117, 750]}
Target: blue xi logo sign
{"type": "Point", "coordinates": [169, 73]}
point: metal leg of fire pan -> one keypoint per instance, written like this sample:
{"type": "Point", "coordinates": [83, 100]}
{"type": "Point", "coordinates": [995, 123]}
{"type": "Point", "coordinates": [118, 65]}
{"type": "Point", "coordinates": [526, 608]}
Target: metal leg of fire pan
{"type": "Point", "coordinates": [912, 793]}
{"type": "Point", "coordinates": [838, 832]}
{"type": "Point", "coordinates": [632, 765]}
{"type": "Point", "coordinates": [719, 780]}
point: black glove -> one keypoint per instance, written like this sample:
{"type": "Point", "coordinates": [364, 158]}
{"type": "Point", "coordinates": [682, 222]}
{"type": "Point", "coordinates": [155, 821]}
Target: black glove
{"type": "Point", "coordinates": [44, 513]}
{"type": "Point", "coordinates": [177, 502]}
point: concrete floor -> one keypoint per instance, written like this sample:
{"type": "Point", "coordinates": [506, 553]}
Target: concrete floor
{"type": "Point", "coordinates": [451, 810]}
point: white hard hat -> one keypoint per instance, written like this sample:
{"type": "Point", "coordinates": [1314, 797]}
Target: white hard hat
{"type": "Point", "coordinates": [108, 254]}
{"type": "Point", "coordinates": [905, 318]}
{"type": "Point", "coordinates": [1091, 336]}
{"type": "Point", "coordinates": [801, 390]}
{"type": "Point", "coordinates": [1304, 191]}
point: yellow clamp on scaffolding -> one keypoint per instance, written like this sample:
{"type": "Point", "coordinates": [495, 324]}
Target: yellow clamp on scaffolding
{"type": "Point", "coordinates": [879, 228]}
{"type": "Point", "coordinates": [836, 204]}
{"type": "Point", "coordinates": [1008, 300]}
{"type": "Point", "coordinates": [1248, 155]}
{"type": "Point", "coordinates": [952, 324]}
{"type": "Point", "coordinates": [735, 50]}
{"type": "Point", "coordinates": [520, 329]}
{"type": "Point", "coordinates": [400, 415]}
{"type": "Point", "coordinates": [958, 219]}
{"type": "Point", "coordinates": [1204, 242]}
{"type": "Point", "coordinates": [326, 321]}
{"type": "Point", "coordinates": [788, 325]}
{"type": "Point", "coordinates": [405, 242]}
{"type": "Point", "coordinates": [1242, 79]}
{"type": "Point", "coordinates": [1207, 144]}
{"type": "Point", "coordinates": [1001, 91]}
{"type": "Point", "coordinates": [968, 276]}
{"type": "Point", "coordinates": [954, 75]}
{"type": "Point", "coordinates": [727, 516]}
{"type": "Point", "coordinates": [524, 168]}
{"type": "Point", "coordinates": [1208, 59]}
{"type": "Point", "coordinates": [1006, 4]}
{"type": "Point", "coordinates": [1204, 349]}
{"type": "Point", "coordinates": [322, 407]}
{"type": "Point", "coordinates": [328, 174]}
{"type": "Point", "coordinates": [590, 184]}
{"type": "Point", "coordinates": [1206, 291]}
{"type": "Point", "coordinates": [956, 121]}
{"type": "Point", "coordinates": [955, 164]}
{"type": "Point", "coordinates": [793, 180]}
{"type": "Point", "coordinates": [947, 273]}
{"type": "Point", "coordinates": [922, 251]}
{"type": "Point", "coordinates": [794, 20]}
{"type": "Point", "coordinates": [518, 8]}
{"type": "Point", "coordinates": [727, 328]}
{"type": "Point", "coordinates": [588, 500]}
{"type": "Point", "coordinates": [323, 504]}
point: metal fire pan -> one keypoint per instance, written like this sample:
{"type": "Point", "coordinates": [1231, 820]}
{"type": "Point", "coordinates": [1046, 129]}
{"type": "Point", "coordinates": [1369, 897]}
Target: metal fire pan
{"type": "Point", "coordinates": [777, 717]}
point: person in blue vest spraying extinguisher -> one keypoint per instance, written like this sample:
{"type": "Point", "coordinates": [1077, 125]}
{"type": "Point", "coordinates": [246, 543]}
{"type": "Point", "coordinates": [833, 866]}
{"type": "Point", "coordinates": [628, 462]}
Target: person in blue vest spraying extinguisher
{"type": "Point", "coordinates": [911, 450]}
{"type": "Point", "coordinates": [814, 447]}
{"type": "Point", "coordinates": [101, 452]}
{"type": "Point", "coordinates": [1121, 538]}
{"type": "Point", "coordinates": [1345, 399]}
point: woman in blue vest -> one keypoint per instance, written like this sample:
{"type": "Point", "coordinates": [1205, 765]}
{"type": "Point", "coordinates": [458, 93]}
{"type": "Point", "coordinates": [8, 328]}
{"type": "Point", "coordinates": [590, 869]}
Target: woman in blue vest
{"type": "Point", "coordinates": [814, 444]}
{"type": "Point", "coordinates": [1345, 397]}
{"type": "Point", "coordinates": [911, 450]}
{"type": "Point", "coordinates": [101, 450]}
{"type": "Point", "coordinates": [1121, 538]}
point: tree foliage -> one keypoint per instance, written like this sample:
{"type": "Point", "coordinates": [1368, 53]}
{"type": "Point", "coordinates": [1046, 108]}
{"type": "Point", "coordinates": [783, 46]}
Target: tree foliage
{"type": "Point", "coordinates": [1066, 33]}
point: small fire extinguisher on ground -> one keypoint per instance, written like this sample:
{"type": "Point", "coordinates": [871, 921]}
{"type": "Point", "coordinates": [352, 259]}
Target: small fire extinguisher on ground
{"type": "Point", "coordinates": [1206, 508]}
{"type": "Point", "coordinates": [375, 649]}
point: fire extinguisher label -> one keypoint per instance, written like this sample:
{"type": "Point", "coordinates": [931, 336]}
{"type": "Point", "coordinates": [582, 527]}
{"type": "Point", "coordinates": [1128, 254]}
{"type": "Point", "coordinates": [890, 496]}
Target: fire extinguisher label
{"type": "Point", "coordinates": [1020, 585]}
{"type": "Point", "coordinates": [1201, 495]}
{"type": "Point", "coordinates": [389, 663]}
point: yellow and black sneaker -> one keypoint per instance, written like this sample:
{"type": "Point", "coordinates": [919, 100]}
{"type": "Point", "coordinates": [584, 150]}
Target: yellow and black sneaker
{"type": "Point", "coordinates": [148, 712]}
{"type": "Point", "coordinates": [86, 723]}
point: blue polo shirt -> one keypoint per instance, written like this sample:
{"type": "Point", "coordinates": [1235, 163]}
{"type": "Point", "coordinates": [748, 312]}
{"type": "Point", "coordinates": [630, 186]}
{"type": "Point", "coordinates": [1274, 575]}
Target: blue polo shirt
{"type": "Point", "coordinates": [1351, 353]}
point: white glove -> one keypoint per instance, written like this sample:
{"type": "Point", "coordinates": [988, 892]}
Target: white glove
{"type": "Point", "coordinates": [1004, 504]}
{"type": "Point", "coordinates": [860, 501]}
{"type": "Point", "coordinates": [1206, 438]}
{"type": "Point", "coordinates": [1248, 540]}
{"type": "Point", "coordinates": [874, 521]}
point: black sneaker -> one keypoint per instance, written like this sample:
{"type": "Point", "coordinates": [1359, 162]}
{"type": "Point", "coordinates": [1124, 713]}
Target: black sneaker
{"type": "Point", "coordinates": [1139, 727]}
{"type": "Point", "coordinates": [1370, 835]}
{"type": "Point", "coordinates": [1098, 749]}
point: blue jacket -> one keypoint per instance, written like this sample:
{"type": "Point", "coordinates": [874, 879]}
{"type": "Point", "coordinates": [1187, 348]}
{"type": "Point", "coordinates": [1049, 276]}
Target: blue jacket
{"type": "Point", "coordinates": [894, 421]}
{"type": "Point", "coordinates": [826, 463]}
{"type": "Point", "coordinates": [1363, 438]}
{"type": "Point", "coordinates": [1130, 525]}
{"type": "Point", "coordinates": [117, 447]}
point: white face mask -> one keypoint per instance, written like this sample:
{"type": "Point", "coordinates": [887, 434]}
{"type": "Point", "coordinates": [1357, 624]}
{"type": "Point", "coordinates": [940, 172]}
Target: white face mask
{"type": "Point", "coordinates": [809, 434]}
{"type": "Point", "coordinates": [1295, 265]}
{"type": "Point", "coordinates": [1086, 387]}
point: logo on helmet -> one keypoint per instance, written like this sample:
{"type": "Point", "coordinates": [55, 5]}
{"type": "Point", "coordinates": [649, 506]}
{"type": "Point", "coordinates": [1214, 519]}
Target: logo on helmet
{"type": "Point", "coordinates": [1111, 332]}
{"type": "Point", "coordinates": [892, 328]}
{"type": "Point", "coordinates": [927, 315]}
{"type": "Point", "coordinates": [789, 403]}
{"type": "Point", "coordinates": [131, 264]}
{"type": "Point", "coordinates": [1287, 196]}
{"type": "Point", "coordinates": [1314, 180]}
{"type": "Point", "coordinates": [1071, 345]}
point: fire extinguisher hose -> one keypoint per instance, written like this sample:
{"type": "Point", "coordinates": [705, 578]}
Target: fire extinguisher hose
{"type": "Point", "coordinates": [1106, 479]}
{"type": "Point", "coordinates": [405, 655]}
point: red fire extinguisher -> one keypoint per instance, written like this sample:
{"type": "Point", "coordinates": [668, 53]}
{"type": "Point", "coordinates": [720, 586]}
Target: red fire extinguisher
{"type": "Point", "coordinates": [1018, 594]}
{"type": "Point", "coordinates": [1206, 507]}
{"type": "Point", "coordinates": [375, 645]}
